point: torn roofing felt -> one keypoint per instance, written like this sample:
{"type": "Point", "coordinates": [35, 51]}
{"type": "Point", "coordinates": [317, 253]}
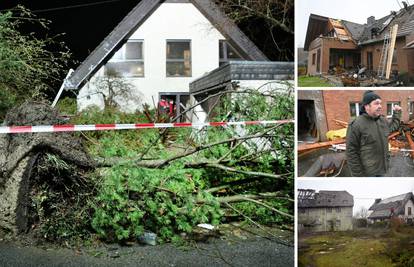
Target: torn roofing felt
{"type": "Point", "coordinates": [137, 17]}
{"type": "Point", "coordinates": [327, 198]}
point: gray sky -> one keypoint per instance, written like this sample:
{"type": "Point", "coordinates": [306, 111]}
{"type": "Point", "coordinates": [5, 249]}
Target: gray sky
{"type": "Point", "coordinates": [364, 190]}
{"type": "Point", "coordinates": [352, 10]}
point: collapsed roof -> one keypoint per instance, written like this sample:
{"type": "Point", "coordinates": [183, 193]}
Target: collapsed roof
{"type": "Point", "coordinates": [325, 198]}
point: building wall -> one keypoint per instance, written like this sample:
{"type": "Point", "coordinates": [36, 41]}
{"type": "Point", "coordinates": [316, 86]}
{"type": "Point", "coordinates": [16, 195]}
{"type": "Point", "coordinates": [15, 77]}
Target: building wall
{"type": "Point", "coordinates": [169, 21]}
{"type": "Point", "coordinates": [409, 204]}
{"type": "Point", "coordinates": [325, 44]}
{"type": "Point", "coordinates": [322, 216]}
{"type": "Point", "coordinates": [402, 64]}
{"type": "Point", "coordinates": [317, 97]}
{"type": "Point", "coordinates": [337, 103]}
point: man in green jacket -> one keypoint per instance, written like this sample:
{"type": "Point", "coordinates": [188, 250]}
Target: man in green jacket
{"type": "Point", "coordinates": [367, 138]}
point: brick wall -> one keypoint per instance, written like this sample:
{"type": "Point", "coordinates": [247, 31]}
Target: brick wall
{"type": "Point", "coordinates": [337, 103]}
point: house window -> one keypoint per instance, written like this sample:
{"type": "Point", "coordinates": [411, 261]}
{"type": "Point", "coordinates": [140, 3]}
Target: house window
{"type": "Point", "coordinates": [411, 107]}
{"type": "Point", "coordinates": [409, 211]}
{"type": "Point", "coordinates": [370, 63]}
{"type": "Point", "coordinates": [178, 58]}
{"type": "Point", "coordinates": [329, 210]}
{"type": "Point", "coordinates": [338, 210]}
{"type": "Point", "coordinates": [128, 61]}
{"type": "Point", "coordinates": [227, 53]}
{"type": "Point", "coordinates": [394, 56]}
{"type": "Point", "coordinates": [354, 109]}
{"type": "Point", "coordinates": [338, 224]}
{"type": "Point", "coordinates": [313, 58]}
{"type": "Point", "coordinates": [390, 106]}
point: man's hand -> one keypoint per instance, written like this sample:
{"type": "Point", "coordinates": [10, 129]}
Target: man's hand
{"type": "Point", "coordinates": [396, 108]}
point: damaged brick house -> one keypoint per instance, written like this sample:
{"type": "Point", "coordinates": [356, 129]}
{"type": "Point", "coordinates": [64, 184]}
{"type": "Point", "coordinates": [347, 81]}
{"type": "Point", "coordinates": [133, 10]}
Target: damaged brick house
{"type": "Point", "coordinates": [318, 109]}
{"type": "Point", "coordinates": [401, 206]}
{"type": "Point", "coordinates": [325, 210]}
{"type": "Point", "coordinates": [334, 43]}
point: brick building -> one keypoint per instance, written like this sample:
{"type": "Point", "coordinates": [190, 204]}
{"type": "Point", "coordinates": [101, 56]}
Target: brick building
{"type": "Point", "coordinates": [317, 109]}
{"type": "Point", "coordinates": [334, 43]}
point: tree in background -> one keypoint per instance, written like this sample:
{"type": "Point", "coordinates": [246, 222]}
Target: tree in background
{"type": "Point", "coordinates": [276, 16]}
{"type": "Point", "coordinates": [27, 67]}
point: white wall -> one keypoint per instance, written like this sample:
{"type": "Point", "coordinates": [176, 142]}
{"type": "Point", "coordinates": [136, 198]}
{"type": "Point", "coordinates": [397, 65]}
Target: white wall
{"type": "Point", "coordinates": [411, 205]}
{"type": "Point", "coordinates": [169, 21]}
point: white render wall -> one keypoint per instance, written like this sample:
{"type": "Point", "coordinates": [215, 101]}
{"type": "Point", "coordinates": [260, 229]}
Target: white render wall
{"type": "Point", "coordinates": [321, 216]}
{"type": "Point", "coordinates": [409, 204]}
{"type": "Point", "coordinates": [180, 21]}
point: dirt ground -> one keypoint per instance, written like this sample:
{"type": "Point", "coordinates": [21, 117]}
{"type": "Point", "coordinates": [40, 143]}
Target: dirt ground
{"type": "Point", "coordinates": [363, 247]}
{"type": "Point", "coordinates": [237, 246]}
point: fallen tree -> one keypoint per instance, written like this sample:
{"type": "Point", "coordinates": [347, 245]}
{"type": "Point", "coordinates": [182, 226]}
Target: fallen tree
{"type": "Point", "coordinates": [64, 185]}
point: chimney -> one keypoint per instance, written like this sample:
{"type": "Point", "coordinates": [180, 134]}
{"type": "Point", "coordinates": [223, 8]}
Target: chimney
{"type": "Point", "coordinates": [370, 20]}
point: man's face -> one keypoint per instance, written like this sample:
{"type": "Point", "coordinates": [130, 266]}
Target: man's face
{"type": "Point", "coordinates": [374, 109]}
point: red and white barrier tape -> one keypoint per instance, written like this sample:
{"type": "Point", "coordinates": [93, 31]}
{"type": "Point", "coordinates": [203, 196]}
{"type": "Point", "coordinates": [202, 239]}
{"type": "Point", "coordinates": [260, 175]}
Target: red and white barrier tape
{"type": "Point", "coordinates": [102, 127]}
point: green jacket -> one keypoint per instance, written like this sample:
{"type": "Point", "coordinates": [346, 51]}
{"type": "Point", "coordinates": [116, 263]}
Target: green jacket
{"type": "Point", "coordinates": [367, 144]}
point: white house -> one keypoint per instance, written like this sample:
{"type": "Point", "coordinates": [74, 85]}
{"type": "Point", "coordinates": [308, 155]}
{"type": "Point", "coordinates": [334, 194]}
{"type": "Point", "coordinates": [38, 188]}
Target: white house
{"type": "Point", "coordinates": [401, 206]}
{"type": "Point", "coordinates": [159, 48]}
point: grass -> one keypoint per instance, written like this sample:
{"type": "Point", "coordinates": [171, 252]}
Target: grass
{"type": "Point", "coordinates": [313, 81]}
{"type": "Point", "coordinates": [342, 249]}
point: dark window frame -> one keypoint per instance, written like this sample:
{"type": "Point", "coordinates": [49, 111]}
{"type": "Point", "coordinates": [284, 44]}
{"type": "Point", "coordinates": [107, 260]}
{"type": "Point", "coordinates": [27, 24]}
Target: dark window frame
{"type": "Point", "coordinates": [167, 60]}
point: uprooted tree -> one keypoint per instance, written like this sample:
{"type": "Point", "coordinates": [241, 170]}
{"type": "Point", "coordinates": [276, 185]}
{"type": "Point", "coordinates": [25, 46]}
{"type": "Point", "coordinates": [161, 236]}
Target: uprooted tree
{"type": "Point", "coordinates": [120, 183]}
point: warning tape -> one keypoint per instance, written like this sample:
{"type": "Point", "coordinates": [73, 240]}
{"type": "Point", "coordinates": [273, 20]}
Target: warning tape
{"type": "Point", "coordinates": [103, 127]}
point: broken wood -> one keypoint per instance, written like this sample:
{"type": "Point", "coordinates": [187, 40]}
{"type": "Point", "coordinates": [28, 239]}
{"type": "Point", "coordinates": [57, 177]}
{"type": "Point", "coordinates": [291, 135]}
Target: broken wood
{"type": "Point", "coordinates": [410, 142]}
{"type": "Point", "coordinates": [308, 147]}
{"type": "Point", "coordinates": [341, 123]}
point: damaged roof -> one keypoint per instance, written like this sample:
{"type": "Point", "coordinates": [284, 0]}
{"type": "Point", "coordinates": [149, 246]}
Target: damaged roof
{"type": "Point", "coordinates": [320, 25]}
{"type": "Point", "coordinates": [134, 19]}
{"type": "Point", "coordinates": [363, 33]}
{"type": "Point", "coordinates": [325, 198]}
{"type": "Point", "coordinates": [383, 208]}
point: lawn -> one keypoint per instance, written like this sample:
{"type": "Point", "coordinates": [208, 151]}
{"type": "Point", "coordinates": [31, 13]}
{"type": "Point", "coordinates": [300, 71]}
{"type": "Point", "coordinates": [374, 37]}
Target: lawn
{"type": "Point", "coordinates": [313, 81]}
{"type": "Point", "coordinates": [357, 248]}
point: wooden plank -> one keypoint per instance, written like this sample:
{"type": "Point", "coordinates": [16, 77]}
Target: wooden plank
{"type": "Point", "coordinates": [308, 147]}
{"type": "Point", "coordinates": [391, 50]}
{"type": "Point", "coordinates": [410, 142]}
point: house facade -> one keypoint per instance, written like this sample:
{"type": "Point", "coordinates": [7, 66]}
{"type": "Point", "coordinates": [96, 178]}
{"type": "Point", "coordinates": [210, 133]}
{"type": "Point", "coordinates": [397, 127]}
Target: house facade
{"type": "Point", "coordinates": [340, 44]}
{"type": "Point", "coordinates": [158, 49]}
{"type": "Point", "coordinates": [401, 206]}
{"type": "Point", "coordinates": [324, 210]}
{"type": "Point", "coordinates": [318, 109]}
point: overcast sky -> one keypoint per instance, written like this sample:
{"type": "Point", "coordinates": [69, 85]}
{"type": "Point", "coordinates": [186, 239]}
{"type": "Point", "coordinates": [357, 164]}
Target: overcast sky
{"type": "Point", "coordinates": [365, 190]}
{"type": "Point", "coordinates": [352, 10]}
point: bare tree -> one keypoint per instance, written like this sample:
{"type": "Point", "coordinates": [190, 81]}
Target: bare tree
{"type": "Point", "coordinates": [362, 213]}
{"type": "Point", "coordinates": [115, 90]}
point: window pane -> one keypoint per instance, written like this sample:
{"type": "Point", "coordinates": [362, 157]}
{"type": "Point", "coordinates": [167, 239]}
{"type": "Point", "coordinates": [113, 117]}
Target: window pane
{"type": "Point", "coordinates": [178, 50]}
{"type": "Point", "coordinates": [125, 69]}
{"type": "Point", "coordinates": [133, 50]}
{"type": "Point", "coordinates": [179, 68]}
{"type": "Point", "coordinates": [352, 108]}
